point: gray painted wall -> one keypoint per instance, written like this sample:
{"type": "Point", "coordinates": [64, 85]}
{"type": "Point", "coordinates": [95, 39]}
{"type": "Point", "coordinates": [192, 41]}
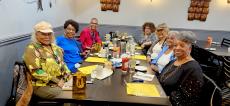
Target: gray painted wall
{"type": "Point", "coordinates": [9, 53]}
{"type": "Point", "coordinates": [12, 50]}
{"type": "Point", "coordinates": [19, 16]}
{"type": "Point", "coordinates": [172, 12]}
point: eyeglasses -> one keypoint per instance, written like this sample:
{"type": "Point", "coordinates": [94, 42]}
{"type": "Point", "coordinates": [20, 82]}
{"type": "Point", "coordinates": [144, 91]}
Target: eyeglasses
{"type": "Point", "coordinates": [160, 30]}
{"type": "Point", "coordinates": [70, 29]}
{"type": "Point", "coordinates": [94, 23]}
{"type": "Point", "coordinates": [46, 34]}
{"type": "Point", "coordinates": [147, 28]}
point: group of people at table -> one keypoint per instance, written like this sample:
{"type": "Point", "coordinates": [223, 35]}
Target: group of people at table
{"type": "Point", "coordinates": [52, 62]}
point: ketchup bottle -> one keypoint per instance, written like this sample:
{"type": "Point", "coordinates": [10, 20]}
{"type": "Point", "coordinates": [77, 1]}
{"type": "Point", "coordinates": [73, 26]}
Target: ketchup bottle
{"type": "Point", "coordinates": [125, 64]}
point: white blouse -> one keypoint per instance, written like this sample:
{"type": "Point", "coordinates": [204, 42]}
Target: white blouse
{"type": "Point", "coordinates": [156, 50]}
{"type": "Point", "coordinates": [163, 60]}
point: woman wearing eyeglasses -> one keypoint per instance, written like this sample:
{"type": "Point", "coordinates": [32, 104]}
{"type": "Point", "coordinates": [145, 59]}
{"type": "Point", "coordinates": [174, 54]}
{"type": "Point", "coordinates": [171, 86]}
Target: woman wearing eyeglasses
{"type": "Point", "coordinates": [45, 62]}
{"type": "Point", "coordinates": [148, 36]}
{"type": "Point", "coordinates": [73, 54]}
{"type": "Point", "coordinates": [161, 33]}
{"type": "Point", "coordinates": [90, 35]}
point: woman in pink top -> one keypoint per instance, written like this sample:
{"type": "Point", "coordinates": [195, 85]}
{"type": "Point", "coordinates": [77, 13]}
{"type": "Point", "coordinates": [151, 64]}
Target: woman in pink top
{"type": "Point", "coordinates": [90, 35]}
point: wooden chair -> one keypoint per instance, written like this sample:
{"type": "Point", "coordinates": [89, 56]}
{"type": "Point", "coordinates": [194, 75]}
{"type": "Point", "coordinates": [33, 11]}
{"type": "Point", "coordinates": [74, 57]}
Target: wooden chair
{"type": "Point", "coordinates": [225, 42]}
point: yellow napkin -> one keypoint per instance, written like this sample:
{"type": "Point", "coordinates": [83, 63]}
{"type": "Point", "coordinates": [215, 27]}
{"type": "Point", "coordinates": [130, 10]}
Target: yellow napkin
{"type": "Point", "coordinates": [141, 89]}
{"type": "Point", "coordinates": [140, 57]}
{"type": "Point", "coordinates": [138, 47]}
{"type": "Point", "coordinates": [87, 69]}
{"type": "Point", "coordinates": [96, 59]}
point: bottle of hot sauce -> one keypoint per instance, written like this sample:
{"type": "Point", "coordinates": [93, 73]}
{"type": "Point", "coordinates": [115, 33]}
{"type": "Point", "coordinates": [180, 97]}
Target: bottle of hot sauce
{"type": "Point", "coordinates": [125, 64]}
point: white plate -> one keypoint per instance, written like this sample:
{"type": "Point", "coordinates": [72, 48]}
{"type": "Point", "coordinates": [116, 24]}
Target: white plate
{"type": "Point", "coordinates": [124, 55]}
{"type": "Point", "coordinates": [138, 62]}
{"type": "Point", "coordinates": [217, 43]}
{"type": "Point", "coordinates": [211, 49]}
{"type": "Point", "coordinates": [118, 65]}
{"type": "Point", "coordinates": [116, 60]}
{"type": "Point", "coordinates": [100, 55]}
{"type": "Point", "coordinates": [111, 48]}
{"type": "Point", "coordinates": [96, 54]}
{"type": "Point", "coordinates": [141, 68]}
{"type": "Point", "coordinates": [137, 53]}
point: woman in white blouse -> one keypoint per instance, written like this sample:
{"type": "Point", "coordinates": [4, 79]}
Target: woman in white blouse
{"type": "Point", "coordinates": [166, 55]}
{"type": "Point", "coordinates": [161, 32]}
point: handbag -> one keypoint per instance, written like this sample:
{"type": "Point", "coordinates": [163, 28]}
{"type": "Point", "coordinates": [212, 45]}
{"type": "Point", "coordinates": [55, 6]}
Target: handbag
{"type": "Point", "coordinates": [12, 99]}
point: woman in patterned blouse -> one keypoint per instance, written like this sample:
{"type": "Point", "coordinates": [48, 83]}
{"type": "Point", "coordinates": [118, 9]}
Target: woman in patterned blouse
{"type": "Point", "coordinates": [45, 62]}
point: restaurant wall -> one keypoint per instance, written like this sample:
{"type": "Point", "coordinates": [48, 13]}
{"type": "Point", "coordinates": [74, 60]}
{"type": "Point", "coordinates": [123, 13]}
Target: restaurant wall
{"type": "Point", "coordinates": [172, 12]}
{"type": "Point", "coordinates": [17, 18]}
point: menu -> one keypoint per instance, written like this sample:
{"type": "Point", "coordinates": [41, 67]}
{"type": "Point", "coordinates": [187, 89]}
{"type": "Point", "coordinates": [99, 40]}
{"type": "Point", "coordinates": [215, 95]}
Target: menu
{"type": "Point", "coordinates": [142, 89]}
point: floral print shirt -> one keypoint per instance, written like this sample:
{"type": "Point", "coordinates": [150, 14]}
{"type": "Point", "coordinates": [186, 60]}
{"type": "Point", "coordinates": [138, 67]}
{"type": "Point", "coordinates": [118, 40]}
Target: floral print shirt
{"type": "Point", "coordinates": [45, 65]}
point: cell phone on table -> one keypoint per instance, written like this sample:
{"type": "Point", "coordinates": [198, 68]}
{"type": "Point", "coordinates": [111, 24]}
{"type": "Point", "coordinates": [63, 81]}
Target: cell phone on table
{"type": "Point", "coordinates": [137, 80]}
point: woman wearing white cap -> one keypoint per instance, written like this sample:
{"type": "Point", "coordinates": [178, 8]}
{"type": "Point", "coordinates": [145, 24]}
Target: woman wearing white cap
{"type": "Point", "coordinates": [45, 62]}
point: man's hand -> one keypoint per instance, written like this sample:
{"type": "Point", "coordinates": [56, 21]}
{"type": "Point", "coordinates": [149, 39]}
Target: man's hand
{"type": "Point", "coordinates": [88, 48]}
{"type": "Point", "coordinates": [85, 53]}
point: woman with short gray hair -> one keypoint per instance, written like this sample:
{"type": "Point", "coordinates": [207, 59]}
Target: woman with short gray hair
{"type": "Point", "coordinates": [166, 55]}
{"type": "Point", "coordinates": [187, 36]}
{"type": "Point", "coordinates": [182, 78]}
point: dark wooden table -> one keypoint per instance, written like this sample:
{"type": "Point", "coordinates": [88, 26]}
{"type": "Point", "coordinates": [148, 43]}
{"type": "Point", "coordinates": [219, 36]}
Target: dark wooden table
{"type": "Point", "coordinates": [112, 91]}
{"type": "Point", "coordinates": [220, 50]}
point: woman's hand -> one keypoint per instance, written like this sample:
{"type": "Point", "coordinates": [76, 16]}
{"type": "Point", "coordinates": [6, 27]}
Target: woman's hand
{"type": "Point", "coordinates": [142, 45]}
{"type": "Point", "coordinates": [154, 68]}
{"type": "Point", "coordinates": [148, 59]}
{"type": "Point", "coordinates": [61, 83]}
{"type": "Point", "coordinates": [148, 43]}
